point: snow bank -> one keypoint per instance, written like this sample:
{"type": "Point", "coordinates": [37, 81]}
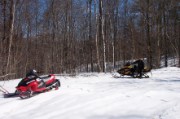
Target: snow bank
{"type": "Point", "coordinates": [100, 96]}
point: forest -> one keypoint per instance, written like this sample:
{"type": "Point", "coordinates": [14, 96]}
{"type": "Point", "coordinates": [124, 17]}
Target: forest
{"type": "Point", "coordinates": [72, 36]}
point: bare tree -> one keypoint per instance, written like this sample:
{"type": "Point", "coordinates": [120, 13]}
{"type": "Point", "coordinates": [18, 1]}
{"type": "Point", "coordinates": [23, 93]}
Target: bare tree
{"type": "Point", "coordinates": [11, 28]}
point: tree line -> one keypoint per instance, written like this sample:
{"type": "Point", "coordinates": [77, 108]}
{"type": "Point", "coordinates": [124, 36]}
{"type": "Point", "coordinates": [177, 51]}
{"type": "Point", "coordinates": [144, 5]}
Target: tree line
{"type": "Point", "coordinates": [68, 36]}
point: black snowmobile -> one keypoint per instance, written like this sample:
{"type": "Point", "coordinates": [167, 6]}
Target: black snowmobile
{"type": "Point", "coordinates": [132, 71]}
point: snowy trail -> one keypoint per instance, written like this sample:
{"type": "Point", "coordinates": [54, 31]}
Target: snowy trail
{"type": "Point", "coordinates": [100, 96]}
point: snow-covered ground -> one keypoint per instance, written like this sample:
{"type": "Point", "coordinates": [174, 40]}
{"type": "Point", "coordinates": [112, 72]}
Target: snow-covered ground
{"type": "Point", "coordinates": [100, 96]}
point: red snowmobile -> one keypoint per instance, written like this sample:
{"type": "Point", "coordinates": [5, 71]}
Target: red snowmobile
{"type": "Point", "coordinates": [30, 87]}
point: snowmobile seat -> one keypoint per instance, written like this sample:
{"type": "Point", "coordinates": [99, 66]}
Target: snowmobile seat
{"type": "Point", "coordinates": [45, 78]}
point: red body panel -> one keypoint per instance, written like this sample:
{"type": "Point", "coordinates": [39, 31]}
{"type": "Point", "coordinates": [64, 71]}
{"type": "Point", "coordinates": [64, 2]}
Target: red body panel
{"type": "Point", "coordinates": [51, 79]}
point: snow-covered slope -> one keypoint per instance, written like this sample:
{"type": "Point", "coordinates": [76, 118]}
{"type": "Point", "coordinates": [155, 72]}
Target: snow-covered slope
{"type": "Point", "coordinates": [100, 96]}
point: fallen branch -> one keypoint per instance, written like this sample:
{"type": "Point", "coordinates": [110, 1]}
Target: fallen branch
{"type": "Point", "coordinates": [7, 75]}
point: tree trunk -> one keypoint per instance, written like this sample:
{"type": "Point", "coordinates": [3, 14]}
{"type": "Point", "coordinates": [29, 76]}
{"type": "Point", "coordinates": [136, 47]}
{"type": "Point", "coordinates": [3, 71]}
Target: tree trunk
{"type": "Point", "coordinates": [178, 37]}
{"type": "Point", "coordinates": [90, 34]}
{"type": "Point", "coordinates": [53, 38]}
{"type": "Point", "coordinates": [164, 36]}
{"type": "Point", "coordinates": [3, 45]}
{"type": "Point", "coordinates": [148, 35]}
{"type": "Point", "coordinates": [97, 32]}
{"type": "Point", "coordinates": [11, 28]}
{"type": "Point", "coordinates": [159, 34]}
{"type": "Point", "coordinates": [102, 22]}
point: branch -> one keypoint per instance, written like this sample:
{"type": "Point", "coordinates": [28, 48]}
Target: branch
{"type": "Point", "coordinates": [3, 76]}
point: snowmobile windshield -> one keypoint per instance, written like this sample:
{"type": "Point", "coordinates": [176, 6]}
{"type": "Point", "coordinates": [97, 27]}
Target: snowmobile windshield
{"type": "Point", "coordinates": [25, 82]}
